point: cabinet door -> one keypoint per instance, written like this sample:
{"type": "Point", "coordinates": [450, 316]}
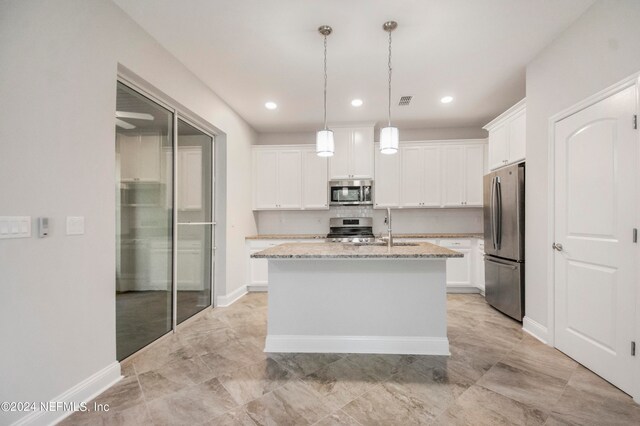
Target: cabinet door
{"type": "Point", "coordinates": [498, 147]}
{"type": "Point", "coordinates": [453, 174]}
{"type": "Point", "coordinates": [339, 162]}
{"type": "Point", "coordinates": [412, 176]}
{"type": "Point", "coordinates": [258, 270]}
{"type": "Point", "coordinates": [474, 171]}
{"type": "Point", "coordinates": [265, 179]}
{"type": "Point", "coordinates": [387, 179]}
{"type": "Point", "coordinates": [289, 179]}
{"type": "Point", "coordinates": [315, 190]}
{"type": "Point", "coordinates": [431, 177]}
{"type": "Point", "coordinates": [362, 153]}
{"type": "Point", "coordinates": [148, 159]}
{"type": "Point", "coordinates": [517, 137]}
{"type": "Point", "coordinates": [459, 269]}
{"type": "Point", "coordinates": [190, 179]}
{"type": "Point", "coordinates": [127, 147]}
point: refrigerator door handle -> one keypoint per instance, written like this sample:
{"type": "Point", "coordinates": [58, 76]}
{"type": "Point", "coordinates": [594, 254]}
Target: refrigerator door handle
{"type": "Point", "coordinates": [498, 213]}
{"type": "Point", "coordinates": [508, 265]}
{"type": "Point", "coordinates": [492, 212]}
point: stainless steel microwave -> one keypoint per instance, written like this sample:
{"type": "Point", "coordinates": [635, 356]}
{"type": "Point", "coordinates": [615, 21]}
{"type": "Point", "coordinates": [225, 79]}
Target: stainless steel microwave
{"type": "Point", "coordinates": [350, 192]}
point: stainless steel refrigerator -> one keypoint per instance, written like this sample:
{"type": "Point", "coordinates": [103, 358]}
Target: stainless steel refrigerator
{"type": "Point", "coordinates": [504, 240]}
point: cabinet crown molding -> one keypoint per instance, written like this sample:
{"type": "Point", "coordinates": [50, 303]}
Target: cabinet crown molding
{"type": "Point", "coordinates": [521, 105]}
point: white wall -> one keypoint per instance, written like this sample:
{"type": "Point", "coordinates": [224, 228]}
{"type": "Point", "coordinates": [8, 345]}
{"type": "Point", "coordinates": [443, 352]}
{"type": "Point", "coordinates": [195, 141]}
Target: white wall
{"type": "Point", "coordinates": [58, 65]}
{"type": "Point", "coordinates": [599, 49]}
{"type": "Point", "coordinates": [405, 135]}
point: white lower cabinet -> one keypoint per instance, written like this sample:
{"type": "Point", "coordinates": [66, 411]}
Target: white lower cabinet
{"type": "Point", "coordinates": [257, 270]}
{"type": "Point", "coordinates": [461, 271]}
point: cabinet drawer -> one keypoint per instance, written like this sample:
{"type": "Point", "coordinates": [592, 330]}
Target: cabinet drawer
{"type": "Point", "coordinates": [452, 242]}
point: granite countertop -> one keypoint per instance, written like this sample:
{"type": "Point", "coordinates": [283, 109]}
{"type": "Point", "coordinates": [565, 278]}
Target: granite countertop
{"type": "Point", "coordinates": [346, 251]}
{"type": "Point", "coordinates": [287, 237]}
{"type": "Point", "coordinates": [323, 236]}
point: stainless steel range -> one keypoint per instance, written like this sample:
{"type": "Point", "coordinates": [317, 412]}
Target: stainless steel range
{"type": "Point", "coordinates": [350, 230]}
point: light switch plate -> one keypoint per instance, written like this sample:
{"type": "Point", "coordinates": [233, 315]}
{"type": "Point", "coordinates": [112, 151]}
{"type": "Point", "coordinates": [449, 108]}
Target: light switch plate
{"type": "Point", "coordinates": [75, 225]}
{"type": "Point", "coordinates": [15, 227]}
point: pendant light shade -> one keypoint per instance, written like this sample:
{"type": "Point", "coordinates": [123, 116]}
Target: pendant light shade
{"type": "Point", "coordinates": [389, 137]}
{"type": "Point", "coordinates": [324, 138]}
{"type": "Point", "coordinates": [324, 143]}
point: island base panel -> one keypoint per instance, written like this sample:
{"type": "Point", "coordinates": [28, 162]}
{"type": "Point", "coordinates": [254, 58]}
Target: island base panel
{"type": "Point", "coordinates": [394, 306]}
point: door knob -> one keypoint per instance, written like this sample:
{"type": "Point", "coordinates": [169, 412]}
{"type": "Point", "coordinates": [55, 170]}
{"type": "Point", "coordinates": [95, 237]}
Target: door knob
{"type": "Point", "coordinates": [557, 246]}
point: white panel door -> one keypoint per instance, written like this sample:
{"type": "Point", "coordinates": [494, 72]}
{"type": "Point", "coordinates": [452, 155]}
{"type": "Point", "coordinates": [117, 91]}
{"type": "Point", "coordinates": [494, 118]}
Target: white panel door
{"type": "Point", "coordinates": [596, 209]}
{"type": "Point", "coordinates": [315, 190]}
{"type": "Point", "coordinates": [412, 176]}
{"type": "Point", "coordinates": [453, 176]}
{"type": "Point", "coordinates": [431, 177]}
{"type": "Point", "coordinates": [474, 171]}
{"type": "Point", "coordinates": [498, 147]}
{"type": "Point", "coordinates": [517, 137]}
{"type": "Point", "coordinates": [339, 163]}
{"type": "Point", "coordinates": [362, 153]}
{"type": "Point", "coordinates": [289, 179]}
{"type": "Point", "coordinates": [265, 180]}
{"type": "Point", "coordinates": [387, 179]}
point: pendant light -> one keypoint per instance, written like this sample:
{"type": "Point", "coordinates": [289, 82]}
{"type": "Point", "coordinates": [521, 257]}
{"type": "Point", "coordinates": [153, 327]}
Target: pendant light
{"type": "Point", "coordinates": [389, 135]}
{"type": "Point", "coordinates": [324, 137]}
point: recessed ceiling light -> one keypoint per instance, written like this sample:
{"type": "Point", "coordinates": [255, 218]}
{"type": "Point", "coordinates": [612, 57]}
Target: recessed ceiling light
{"type": "Point", "coordinates": [271, 105]}
{"type": "Point", "coordinates": [446, 99]}
{"type": "Point", "coordinates": [357, 102]}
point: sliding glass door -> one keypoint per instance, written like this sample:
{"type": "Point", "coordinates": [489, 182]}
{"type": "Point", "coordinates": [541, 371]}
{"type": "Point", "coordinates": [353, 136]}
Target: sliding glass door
{"type": "Point", "coordinates": [195, 220]}
{"type": "Point", "coordinates": [164, 220]}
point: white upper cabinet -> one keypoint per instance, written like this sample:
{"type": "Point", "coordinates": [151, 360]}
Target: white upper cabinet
{"type": "Point", "coordinates": [518, 137]}
{"type": "Point", "coordinates": [507, 137]}
{"type": "Point", "coordinates": [353, 157]}
{"type": "Point", "coordinates": [463, 171]}
{"type": "Point", "coordinates": [421, 178]}
{"type": "Point", "coordinates": [412, 176]}
{"type": "Point", "coordinates": [431, 174]}
{"type": "Point", "coordinates": [387, 184]}
{"type": "Point", "coordinates": [289, 185]}
{"type": "Point", "coordinates": [453, 173]}
{"type": "Point", "coordinates": [474, 172]}
{"type": "Point", "coordinates": [315, 191]}
{"type": "Point", "coordinates": [498, 147]}
{"type": "Point", "coordinates": [265, 179]}
{"type": "Point", "coordinates": [140, 157]}
{"type": "Point", "coordinates": [289, 177]}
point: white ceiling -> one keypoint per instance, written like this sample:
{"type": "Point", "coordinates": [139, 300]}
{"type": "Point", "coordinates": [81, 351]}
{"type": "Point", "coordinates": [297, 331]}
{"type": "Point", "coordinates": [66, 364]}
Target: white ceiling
{"type": "Point", "coordinates": [253, 51]}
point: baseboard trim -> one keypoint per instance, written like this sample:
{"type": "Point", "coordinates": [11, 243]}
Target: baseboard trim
{"type": "Point", "coordinates": [84, 391]}
{"type": "Point", "coordinates": [229, 299]}
{"type": "Point", "coordinates": [535, 329]}
{"type": "Point", "coordinates": [262, 288]}
{"type": "Point", "coordinates": [358, 344]}
{"type": "Point", "coordinates": [462, 289]}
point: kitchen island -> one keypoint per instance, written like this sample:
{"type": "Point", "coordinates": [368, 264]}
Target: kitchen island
{"type": "Point", "coordinates": [349, 298]}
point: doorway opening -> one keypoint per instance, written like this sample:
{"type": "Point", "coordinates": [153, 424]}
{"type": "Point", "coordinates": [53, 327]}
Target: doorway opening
{"type": "Point", "coordinates": [164, 219]}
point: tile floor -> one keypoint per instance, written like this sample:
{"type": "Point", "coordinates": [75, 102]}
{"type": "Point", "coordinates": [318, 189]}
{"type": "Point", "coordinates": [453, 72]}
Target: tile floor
{"type": "Point", "coordinates": [213, 372]}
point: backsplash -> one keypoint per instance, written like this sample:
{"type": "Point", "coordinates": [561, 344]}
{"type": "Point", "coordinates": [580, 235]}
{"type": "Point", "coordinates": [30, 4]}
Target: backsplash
{"type": "Point", "coordinates": [405, 221]}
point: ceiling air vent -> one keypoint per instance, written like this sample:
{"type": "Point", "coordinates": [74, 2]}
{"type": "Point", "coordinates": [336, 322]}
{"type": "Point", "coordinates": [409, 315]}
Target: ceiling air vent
{"type": "Point", "coordinates": [405, 100]}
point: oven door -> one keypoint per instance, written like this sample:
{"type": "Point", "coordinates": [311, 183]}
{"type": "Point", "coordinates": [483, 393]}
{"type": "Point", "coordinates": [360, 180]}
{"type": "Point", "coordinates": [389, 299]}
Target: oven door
{"type": "Point", "coordinates": [346, 195]}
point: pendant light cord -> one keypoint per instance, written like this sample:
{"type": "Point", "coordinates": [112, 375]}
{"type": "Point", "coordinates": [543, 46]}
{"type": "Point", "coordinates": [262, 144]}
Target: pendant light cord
{"type": "Point", "coordinates": [325, 82]}
{"type": "Point", "coordinates": [390, 70]}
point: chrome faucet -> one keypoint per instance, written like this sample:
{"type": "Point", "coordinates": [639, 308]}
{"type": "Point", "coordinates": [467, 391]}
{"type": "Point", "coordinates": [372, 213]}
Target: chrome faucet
{"type": "Point", "coordinates": [387, 220]}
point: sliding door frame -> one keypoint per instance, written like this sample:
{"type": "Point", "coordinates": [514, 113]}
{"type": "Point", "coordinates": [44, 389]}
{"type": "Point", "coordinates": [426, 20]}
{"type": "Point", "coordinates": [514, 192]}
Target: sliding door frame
{"type": "Point", "coordinates": [209, 130]}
